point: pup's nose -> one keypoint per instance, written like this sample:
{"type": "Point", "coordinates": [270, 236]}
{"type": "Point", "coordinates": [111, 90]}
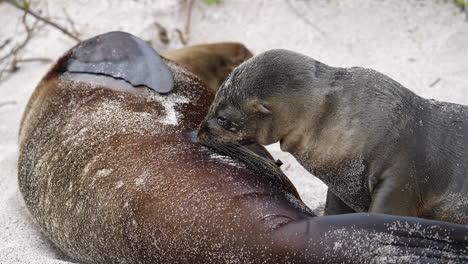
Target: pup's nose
{"type": "Point", "coordinates": [203, 132]}
{"type": "Point", "coordinates": [203, 128]}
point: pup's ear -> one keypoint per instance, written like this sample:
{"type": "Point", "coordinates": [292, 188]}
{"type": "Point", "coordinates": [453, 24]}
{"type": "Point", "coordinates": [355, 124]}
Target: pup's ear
{"type": "Point", "coordinates": [258, 106]}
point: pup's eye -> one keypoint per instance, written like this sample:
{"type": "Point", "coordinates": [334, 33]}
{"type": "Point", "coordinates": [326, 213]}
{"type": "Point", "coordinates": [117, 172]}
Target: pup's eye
{"type": "Point", "coordinates": [221, 120]}
{"type": "Point", "coordinates": [226, 124]}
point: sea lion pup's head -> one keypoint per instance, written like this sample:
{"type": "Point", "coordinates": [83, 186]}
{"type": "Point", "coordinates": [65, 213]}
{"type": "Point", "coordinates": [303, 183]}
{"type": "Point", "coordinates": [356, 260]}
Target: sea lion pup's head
{"type": "Point", "coordinates": [265, 97]}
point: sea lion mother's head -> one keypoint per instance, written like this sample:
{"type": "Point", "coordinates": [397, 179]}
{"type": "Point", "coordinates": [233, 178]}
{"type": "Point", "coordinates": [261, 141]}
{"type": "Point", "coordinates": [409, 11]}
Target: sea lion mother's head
{"type": "Point", "coordinates": [254, 103]}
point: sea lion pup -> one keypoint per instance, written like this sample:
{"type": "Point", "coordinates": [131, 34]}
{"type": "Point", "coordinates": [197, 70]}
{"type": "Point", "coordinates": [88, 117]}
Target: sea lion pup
{"type": "Point", "coordinates": [212, 63]}
{"type": "Point", "coordinates": [378, 146]}
{"type": "Point", "coordinates": [112, 174]}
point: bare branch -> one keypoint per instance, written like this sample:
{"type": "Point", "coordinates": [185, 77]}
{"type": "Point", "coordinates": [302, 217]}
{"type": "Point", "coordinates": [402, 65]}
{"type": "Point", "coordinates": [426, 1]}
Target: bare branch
{"type": "Point", "coordinates": [43, 60]}
{"type": "Point", "coordinates": [2, 71]}
{"type": "Point", "coordinates": [15, 62]}
{"type": "Point", "coordinates": [189, 16]}
{"type": "Point", "coordinates": [6, 42]}
{"type": "Point", "coordinates": [12, 65]}
{"type": "Point", "coordinates": [29, 34]}
{"type": "Point", "coordinates": [43, 19]}
{"type": "Point", "coordinates": [184, 36]}
{"type": "Point", "coordinates": [70, 21]}
{"type": "Point", "coordinates": [304, 18]}
{"type": "Point", "coordinates": [434, 82]}
{"type": "Point", "coordinates": [162, 32]}
{"type": "Point", "coordinates": [13, 53]}
{"type": "Point", "coordinates": [2, 104]}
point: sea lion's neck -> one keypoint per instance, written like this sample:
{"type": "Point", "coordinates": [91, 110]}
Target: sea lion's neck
{"type": "Point", "coordinates": [346, 112]}
{"type": "Point", "coordinates": [321, 108]}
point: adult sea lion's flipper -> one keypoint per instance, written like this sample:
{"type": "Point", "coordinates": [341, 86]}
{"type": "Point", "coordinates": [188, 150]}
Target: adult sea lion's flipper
{"type": "Point", "coordinates": [122, 56]}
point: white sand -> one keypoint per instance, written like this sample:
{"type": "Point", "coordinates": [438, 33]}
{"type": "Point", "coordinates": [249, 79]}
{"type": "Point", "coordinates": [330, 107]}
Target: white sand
{"type": "Point", "coordinates": [414, 42]}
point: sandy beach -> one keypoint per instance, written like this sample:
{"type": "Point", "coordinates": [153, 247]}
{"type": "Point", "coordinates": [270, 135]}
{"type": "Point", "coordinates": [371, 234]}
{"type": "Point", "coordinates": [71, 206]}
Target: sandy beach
{"type": "Point", "coordinates": [421, 44]}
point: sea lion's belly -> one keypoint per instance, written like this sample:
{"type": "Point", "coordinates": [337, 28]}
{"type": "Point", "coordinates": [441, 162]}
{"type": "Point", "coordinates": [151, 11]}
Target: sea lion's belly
{"type": "Point", "coordinates": [450, 206]}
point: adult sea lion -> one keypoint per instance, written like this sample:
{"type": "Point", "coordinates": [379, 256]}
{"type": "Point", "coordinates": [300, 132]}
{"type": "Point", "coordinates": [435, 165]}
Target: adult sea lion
{"type": "Point", "coordinates": [378, 146]}
{"type": "Point", "coordinates": [112, 173]}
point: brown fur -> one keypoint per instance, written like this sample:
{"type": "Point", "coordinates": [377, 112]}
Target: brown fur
{"type": "Point", "coordinates": [109, 181]}
{"type": "Point", "coordinates": [212, 63]}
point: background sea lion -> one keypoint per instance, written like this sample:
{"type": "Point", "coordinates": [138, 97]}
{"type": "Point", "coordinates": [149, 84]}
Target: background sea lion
{"type": "Point", "coordinates": [212, 63]}
{"type": "Point", "coordinates": [378, 146]}
{"type": "Point", "coordinates": [112, 174]}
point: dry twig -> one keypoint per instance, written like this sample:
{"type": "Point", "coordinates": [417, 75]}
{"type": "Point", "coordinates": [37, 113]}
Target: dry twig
{"type": "Point", "coordinates": [29, 33]}
{"type": "Point", "coordinates": [44, 60]}
{"type": "Point", "coordinates": [43, 19]}
{"type": "Point", "coordinates": [13, 53]}
{"type": "Point", "coordinates": [5, 103]}
{"type": "Point", "coordinates": [6, 42]}
{"type": "Point", "coordinates": [24, 5]}
{"type": "Point", "coordinates": [304, 18]}
{"type": "Point", "coordinates": [162, 33]}
{"type": "Point", "coordinates": [434, 82]}
{"type": "Point", "coordinates": [184, 36]}
{"type": "Point", "coordinates": [72, 24]}
{"type": "Point", "coordinates": [15, 62]}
